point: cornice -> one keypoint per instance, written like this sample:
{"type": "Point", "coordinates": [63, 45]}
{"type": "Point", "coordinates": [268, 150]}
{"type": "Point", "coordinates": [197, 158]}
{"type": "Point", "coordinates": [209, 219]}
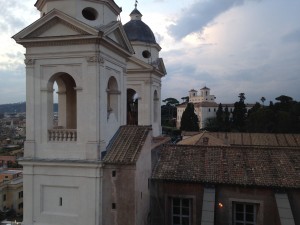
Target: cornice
{"type": "Point", "coordinates": [41, 42]}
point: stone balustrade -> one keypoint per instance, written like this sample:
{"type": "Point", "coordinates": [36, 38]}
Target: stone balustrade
{"type": "Point", "coordinates": [62, 135]}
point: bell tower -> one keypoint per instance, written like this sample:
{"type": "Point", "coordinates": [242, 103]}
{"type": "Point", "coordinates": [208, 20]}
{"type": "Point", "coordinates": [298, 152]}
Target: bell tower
{"type": "Point", "coordinates": [79, 47]}
{"type": "Point", "coordinates": [144, 72]}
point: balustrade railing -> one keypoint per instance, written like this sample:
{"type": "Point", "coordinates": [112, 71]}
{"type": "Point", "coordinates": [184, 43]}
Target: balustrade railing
{"type": "Point", "coordinates": [62, 135]}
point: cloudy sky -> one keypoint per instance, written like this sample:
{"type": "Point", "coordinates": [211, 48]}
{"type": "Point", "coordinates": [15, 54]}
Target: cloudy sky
{"type": "Point", "coordinates": [231, 46]}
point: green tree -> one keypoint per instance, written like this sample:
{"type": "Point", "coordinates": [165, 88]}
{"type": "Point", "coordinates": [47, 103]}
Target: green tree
{"type": "Point", "coordinates": [239, 113]}
{"type": "Point", "coordinates": [189, 119]}
{"type": "Point", "coordinates": [185, 99]}
{"type": "Point", "coordinates": [263, 99]}
{"type": "Point", "coordinates": [169, 112]}
{"type": "Point", "coordinates": [226, 119]}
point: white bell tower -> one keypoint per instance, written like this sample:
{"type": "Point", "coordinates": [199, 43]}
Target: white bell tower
{"type": "Point", "coordinates": [144, 72]}
{"type": "Point", "coordinates": [81, 47]}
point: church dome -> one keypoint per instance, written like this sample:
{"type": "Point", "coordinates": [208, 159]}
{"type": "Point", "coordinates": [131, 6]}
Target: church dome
{"type": "Point", "coordinates": [137, 30]}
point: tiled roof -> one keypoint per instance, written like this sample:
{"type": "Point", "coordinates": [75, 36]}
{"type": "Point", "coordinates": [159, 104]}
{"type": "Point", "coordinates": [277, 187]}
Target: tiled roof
{"type": "Point", "coordinates": [199, 104]}
{"type": "Point", "coordinates": [245, 139]}
{"type": "Point", "coordinates": [250, 166]}
{"type": "Point", "coordinates": [126, 145]}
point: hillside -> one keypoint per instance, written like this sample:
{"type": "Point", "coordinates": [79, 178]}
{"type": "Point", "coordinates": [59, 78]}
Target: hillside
{"type": "Point", "coordinates": [18, 107]}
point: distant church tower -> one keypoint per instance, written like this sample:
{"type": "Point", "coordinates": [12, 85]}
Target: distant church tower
{"type": "Point", "coordinates": [105, 80]}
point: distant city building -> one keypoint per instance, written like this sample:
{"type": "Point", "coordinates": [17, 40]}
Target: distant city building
{"type": "Point", "coordinates": [205, 106]}
{"type": "Point", "coordinates": [11, 191]}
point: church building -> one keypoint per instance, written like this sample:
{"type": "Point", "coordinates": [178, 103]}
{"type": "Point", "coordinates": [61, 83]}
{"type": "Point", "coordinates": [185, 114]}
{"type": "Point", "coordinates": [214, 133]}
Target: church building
{"type": "Point", "coordinates": [108, 79]}
{"type": "Point", "coordinates": [205, 106]}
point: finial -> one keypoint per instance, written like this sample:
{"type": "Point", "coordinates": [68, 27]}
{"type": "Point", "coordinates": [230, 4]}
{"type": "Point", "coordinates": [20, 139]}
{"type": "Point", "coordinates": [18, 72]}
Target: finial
{"type": "Point", "coordinates": [136, 2]}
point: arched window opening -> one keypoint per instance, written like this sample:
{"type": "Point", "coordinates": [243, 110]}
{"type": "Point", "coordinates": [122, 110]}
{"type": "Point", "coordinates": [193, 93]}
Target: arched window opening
{"type": "Point", "coordinates": [132, 107]}
{"type": "Point", "coordinates": [55, 104]}
{"type": "Point", "coordinates": [112, 97]}
{"type": "Point", "coordinates": [155, 106]}
{"type": "Point", "coordinates": [63, 107]}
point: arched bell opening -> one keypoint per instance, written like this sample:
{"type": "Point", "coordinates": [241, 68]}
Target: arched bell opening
{"type": "Point", "coordinates": [132, 107]}
{"type": "Point", "coordinates": [112, 97]}
{"type": "Point", "coordinates": [155, 106]}
{"type": "Point", "coordinates": [65, 124]}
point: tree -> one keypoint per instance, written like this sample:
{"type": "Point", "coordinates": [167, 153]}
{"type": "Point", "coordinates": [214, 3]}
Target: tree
{"type": "Point", "coordinates": [226, 119]}
{"type": "Point", "coordinates": [220, 117]}
{"type": "Point", "coordinates": [239, 113]}
{"type": "Point", "coordinates": [171, 101]}
{"type": "Point", "coordinates": [263, 99]}
{"type": "Point", "coordinates": [189, 119]}
{"type": "Point", "coordinates": [283, 99]}
{"type": "Point", "coordinates": [185, 99]}
{"type": "Point", "coordinates": [169, 112]}
{"type": "Point", "coordinates": [242, 97]}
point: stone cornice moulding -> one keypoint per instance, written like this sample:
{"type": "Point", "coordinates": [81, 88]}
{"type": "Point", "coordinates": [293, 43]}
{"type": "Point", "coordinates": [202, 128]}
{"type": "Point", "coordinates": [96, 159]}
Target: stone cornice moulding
{"type": "Point", "coordinates": [95, 59]}
{"type": "Point", "coordinates": [58, 42]}
{"type": "Point", "coordinates": [112, 60]}
{"type": "Point", "coordinates": [29, 62]}
{"type": "Point", "coordinates": [47, 90]}
{"type": "Point", "coordinates": [78, 88]}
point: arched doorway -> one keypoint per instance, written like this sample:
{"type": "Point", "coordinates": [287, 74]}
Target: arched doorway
{"type": "Point", "coordinates": [132, 107]}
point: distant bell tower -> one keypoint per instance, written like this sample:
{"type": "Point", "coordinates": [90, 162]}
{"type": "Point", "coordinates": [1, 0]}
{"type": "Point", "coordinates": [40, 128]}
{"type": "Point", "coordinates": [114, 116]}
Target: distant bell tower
{"type": "Point", "coordinates": [144, 72]}
{"type": "Point", "coordinates": [77, 53]}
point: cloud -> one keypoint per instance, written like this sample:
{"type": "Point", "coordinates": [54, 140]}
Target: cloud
{"type": "Point", "coordinates": [293, 36]}
{"type": "Point", "coordinates": [199, 15]}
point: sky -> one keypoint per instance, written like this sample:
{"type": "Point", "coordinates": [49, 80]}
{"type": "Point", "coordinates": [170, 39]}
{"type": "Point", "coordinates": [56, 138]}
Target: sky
{"type": "Point", "coordinates": [230, 46]}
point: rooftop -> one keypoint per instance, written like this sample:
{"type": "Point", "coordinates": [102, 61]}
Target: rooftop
{"type": "Point", "coordinates": [247, 166]}
{"type": "Point", "coordinates": [126, 145]}
{"type": "Point", "coordinates": [243, 139]}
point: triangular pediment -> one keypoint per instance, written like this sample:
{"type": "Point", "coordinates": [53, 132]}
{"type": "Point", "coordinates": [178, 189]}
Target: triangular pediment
{"type": "Point", "coordinates": [136, 65]}
{"type": "Point", "coordinates": [55, 24]}
{"type": "Point", "coordinates": [56, 27]}
{"type": "Point", "coordinates": [115, 34]}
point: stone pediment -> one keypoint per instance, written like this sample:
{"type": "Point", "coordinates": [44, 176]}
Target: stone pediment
{"type": "Point", "coordinates": [56, 25]}
{"type": "Point", "coordinates": [135, 65]}
{"type": "Point", "coordinates": [114, 33]}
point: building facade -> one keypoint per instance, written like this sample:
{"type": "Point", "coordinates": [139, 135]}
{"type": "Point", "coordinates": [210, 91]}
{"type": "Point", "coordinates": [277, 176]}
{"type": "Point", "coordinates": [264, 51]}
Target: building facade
{"type": "Point", "coordinates": [226, 185]}
{"type": "Point", "coordinates": [106, 79]}
{"type": "Point", "coordinates": [205, 106]}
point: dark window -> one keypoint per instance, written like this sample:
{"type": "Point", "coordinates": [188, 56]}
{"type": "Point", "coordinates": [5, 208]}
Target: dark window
{"type": "Point", "coordinates": [113, 206]}
{"type": "Point", "coordinates": [20, 206]}
{"type": "Point", "coordinates": [244, 213]}
{"type": "Point", "coordinates": [21, 194]}
{"type": "Point", "coordinates": [60, 201]}
{"type": "Point", "coordinates": [181, 211]}
{"type": "Point", "coordinates": [4, 197]}
{"type": "Point", "coordinates": [146, 54]}
{"type": "Point", "coordinates": [114, 173]}
{"type": "Point", "coordinates": [89, 13]}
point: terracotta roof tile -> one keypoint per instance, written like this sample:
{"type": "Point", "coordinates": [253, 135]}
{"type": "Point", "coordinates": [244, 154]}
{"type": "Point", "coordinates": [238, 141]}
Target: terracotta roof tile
{"type": "Point", "coordinates": [251, 166]}
{"type": "Point", "coordinates": [246, 139]}
{"type": "Point", "coordinates": [126, 145]}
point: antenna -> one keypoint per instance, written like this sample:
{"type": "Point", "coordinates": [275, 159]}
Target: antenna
{"type": "Point", "coordinates": [136, 2]}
